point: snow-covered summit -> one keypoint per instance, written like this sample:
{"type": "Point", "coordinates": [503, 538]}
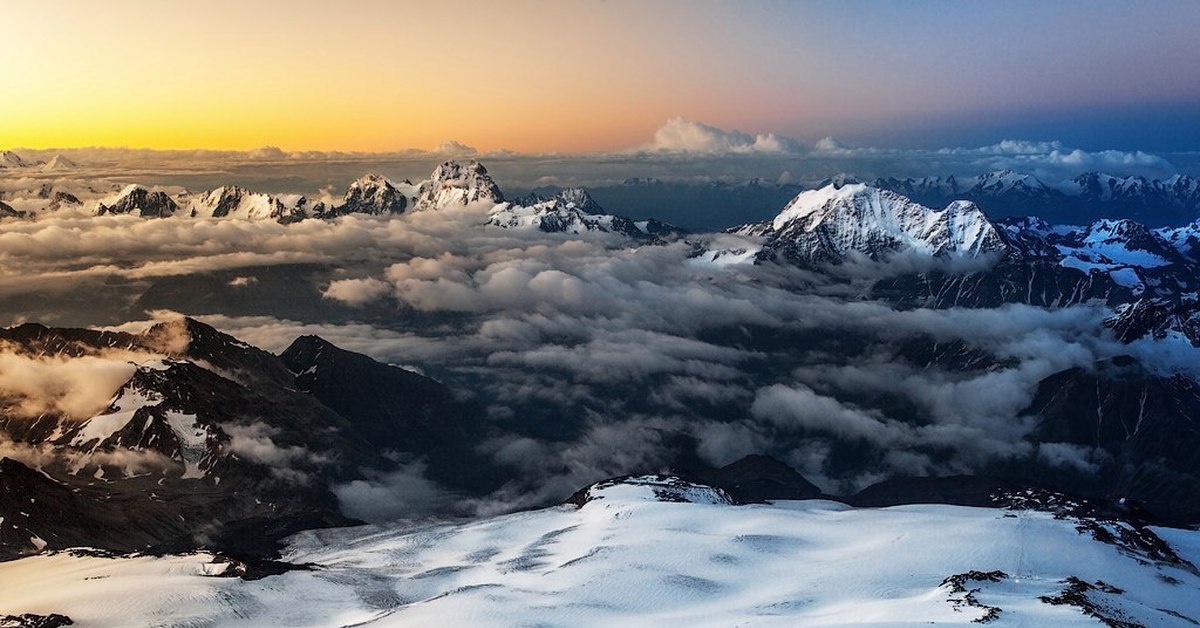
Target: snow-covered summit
{"type": "Point", "coordinates": [146, 415]}
{"type": "Point", "coordinates": [571, 210]}
{"type": "Point", "coordinates": [833, 223]}
{"type": "Point", "coordinates": [231, 201]}
{"type": "Point", "coordinates": [1007, 182]}
{"type": "Point", "coordinates": [1185, 239]}
{"type": "Point", "coordinates": [1157, 320]}
{"type": "Point", "coordinates": [139, 201]}
{"type": "Point", "coordinates": [456, 184]}
{"type": "Point", "coordinates": [373, 194]}
{"type": "Point", "coordinates": [653, 488]}
{"type": "Point", "coordinates": [450, 184]}
{"type": "Point", "coordinates": [9, 159]}
{"type": "Point", "coordinates": [631, 561]}
{"type": "Point", "coordinates": [58, 162]}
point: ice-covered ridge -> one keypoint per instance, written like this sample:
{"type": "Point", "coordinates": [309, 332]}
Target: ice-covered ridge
{"type": "Point", "coordinates": [102, 426]}
{"type": "Point", "coordinates": [573, 211]}
{"type": "Point", "coordinates": [9, 159]}
{"type": "Point", "coordinates": [628, 560]}
{"type": "Point", "coordinates": [145, 415]}
{"type": "Point", "coordinates": [656, 488]}
{"type": "Point", "coordinates": [235, 202]}
{"type": "Point", "coordinates": [833, 222]}
{"type": "Point", "coordinates": [192, 437]}
{"type": "Point", "coordinates": [58, 162]}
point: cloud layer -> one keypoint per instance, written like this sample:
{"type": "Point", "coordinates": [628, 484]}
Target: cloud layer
{"type": "Point", "coordinates": [591, 357]}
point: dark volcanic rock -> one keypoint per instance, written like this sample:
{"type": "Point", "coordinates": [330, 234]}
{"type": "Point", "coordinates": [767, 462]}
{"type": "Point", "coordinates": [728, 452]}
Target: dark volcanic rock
{"type": "Point", "coordinates": [1139, 431]}
{"type": "Point", "coordinates": [372, 194]}
{"type": "Point", "coordinates": [958, 490]}
{"type": "Point", "coordinates": [139, 201]}
{"type": "Point", "coordinates": [7, 211]}
{"type": "Point", "coordinates": [212, 443]}
{"type": "Point", "coordinates": [30, 620]}
{"type": "Point", "coordinates": [394, 408]}
{"type": "Point", "coordinates": [757, 478]}
{"type": "Point", "coordinates": [1155, 319]}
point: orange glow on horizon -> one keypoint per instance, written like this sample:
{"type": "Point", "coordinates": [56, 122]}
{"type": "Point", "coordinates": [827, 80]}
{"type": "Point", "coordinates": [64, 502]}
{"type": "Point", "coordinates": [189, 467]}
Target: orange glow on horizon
{"type": "Point", "coordinates": [146, 74]}
{"type": "Point", "coordinates": [567, 76]}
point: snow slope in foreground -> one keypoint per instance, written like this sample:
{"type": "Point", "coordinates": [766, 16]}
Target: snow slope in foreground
{"type": "Point", "coordinates": [627, 559]}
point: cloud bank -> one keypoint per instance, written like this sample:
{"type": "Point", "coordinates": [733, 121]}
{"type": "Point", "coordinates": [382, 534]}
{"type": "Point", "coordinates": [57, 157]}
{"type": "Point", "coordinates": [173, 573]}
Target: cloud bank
{"type": "Point", "coordinates": [680, 135]}
{"type": "Point", "coordinates": [591, 357]}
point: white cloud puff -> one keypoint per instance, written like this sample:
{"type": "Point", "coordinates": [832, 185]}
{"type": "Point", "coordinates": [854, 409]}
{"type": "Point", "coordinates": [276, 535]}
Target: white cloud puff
{"type": "Point", "coordinates": [357, 292]}
{"type": "Point", "coordinates": [680, 135]}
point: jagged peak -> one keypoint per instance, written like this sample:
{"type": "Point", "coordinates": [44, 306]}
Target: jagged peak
{"type": "Point", "coordinates": [810, 202]}
{"type": "Point", "coordinates": [10, 158]}
{"type": "Point", "coordinates": [830, 223]}
{"type": "Point", "coordinates": [1118, 228]}
{"type": "Point", "coordinates": [185, 335]}
{"type": "Point", "coordinates": [131, 189]}
{"type": "Point", "coordinates": [1026, 223]}
{"type": "Point", "coordinates": [226, 191]}
{"type": "Point", "coordinates": [135, 198]}
{"type": "Point", "coordinates": [578, 197]}
{"type": "Point", "coordinates": [839, 180]}
{"type": "Point", "coordinates": [373, 194]}
{"type": "Point", "coordinates": [1008, 177]}
{"type": "Point", "coordinates": [309, 343]}
{"type": "Point", "coordinates": [451, 169]}
{"type": "Point", "coordinates": [371, 179]}
{"type": "Point", "coordinates": [453, 183]}
{"type": "Point", "coordinates": [568, 198]}
{"type": "Point", "coordinates": [962, 206]}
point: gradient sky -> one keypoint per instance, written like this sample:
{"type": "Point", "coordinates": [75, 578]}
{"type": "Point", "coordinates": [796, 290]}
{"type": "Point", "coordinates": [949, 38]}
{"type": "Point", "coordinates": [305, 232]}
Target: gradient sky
{"type": "Point", "coordinates": [580, 76]}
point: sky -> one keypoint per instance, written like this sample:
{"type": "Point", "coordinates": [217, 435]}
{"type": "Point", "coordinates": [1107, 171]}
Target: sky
{"type": "Point", "coordinates": [575, 76]}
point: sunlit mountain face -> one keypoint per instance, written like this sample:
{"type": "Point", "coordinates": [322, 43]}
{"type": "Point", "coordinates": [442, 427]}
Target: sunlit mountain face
{"type": "Point", "coordinates": [603, 357]}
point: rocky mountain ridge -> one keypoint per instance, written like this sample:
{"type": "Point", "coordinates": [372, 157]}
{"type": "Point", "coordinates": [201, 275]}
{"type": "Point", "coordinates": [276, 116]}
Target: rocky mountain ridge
{"type": "Point", "coordinates": [212, 439]}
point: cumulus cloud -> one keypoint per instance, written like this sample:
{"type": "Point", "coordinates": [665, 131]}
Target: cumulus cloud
{"type": "Point", "coordinates": [679, 135]}
{"type": "Point", "coordinates": [1071, 456]}
{"type": "Point", "coordinates": [131, 462]}
{"type": "Point", "coordinates": [454, 148]}
{"type": "Point", "coordinates": [357, 292]}
{"type": "Point", "coordinates": [267, 152]}
{"type": "Point", "coordinates": [254, 442]}
{"type": "Point", "coordinates": [401, 494]}
{"type": "Point", "coordinates": [78, 387]}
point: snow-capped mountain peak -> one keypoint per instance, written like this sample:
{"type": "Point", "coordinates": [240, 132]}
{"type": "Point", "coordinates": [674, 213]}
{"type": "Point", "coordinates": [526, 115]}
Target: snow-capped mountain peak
{"type": "Point", "coordinates": [571, 210]}
{"type": "Point", "coordinates": [580, 199]}
{"type": "Point", "coordinates": [58, 162]}
{"type": "Point", "coordinates": [137, 200]}
{"type": "Point", "coordinates": [231, 201]}
{"type": "Point", "coordinates": [455, 184]}
{"type": "Point", "coordinates": [9, 159]}
{"type": "Point", "coordinates": [1008, 182]}
{"type": "Point", "coordinates": [833, 222]}
{"type": "Point", "coordinates": [373, 194]}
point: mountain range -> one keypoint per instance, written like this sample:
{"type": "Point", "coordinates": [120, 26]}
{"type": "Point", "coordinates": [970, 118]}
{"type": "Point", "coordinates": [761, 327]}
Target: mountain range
{"type": "Point", "coordinates": [210, 441]}
{"type": "Point", "coordinates": [1172, 201]}
{"type": "Point", "coordinates": [148, 445]}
